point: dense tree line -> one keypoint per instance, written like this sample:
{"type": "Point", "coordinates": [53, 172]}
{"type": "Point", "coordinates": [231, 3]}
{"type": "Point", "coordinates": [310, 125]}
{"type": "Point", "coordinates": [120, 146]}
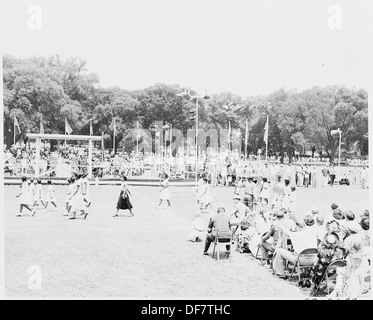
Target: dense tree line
{"type": "Point", "coordinates": [54, 89]}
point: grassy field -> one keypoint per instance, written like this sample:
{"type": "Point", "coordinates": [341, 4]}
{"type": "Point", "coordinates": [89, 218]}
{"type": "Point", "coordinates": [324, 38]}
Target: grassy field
{"type": "Point", "coordinates": [142, 257]}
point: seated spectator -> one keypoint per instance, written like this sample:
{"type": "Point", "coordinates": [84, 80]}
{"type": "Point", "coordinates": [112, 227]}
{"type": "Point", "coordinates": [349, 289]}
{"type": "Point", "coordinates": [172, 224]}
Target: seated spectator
{"type": "Point", "coordinates": [300, 240]}
{"type": "Point", "coordinates": [329, 250]}
{"type": "Point", "coordinates": [269, 239]}
{"type": "Point", "coordinates": [198, 227]}
{"type": "Point", "coordinates": [350, 282]}
{"type": "Point", "coordinates": [320, 229]}
{"type": "Point", "coordinates": [340, 218]}
{"type": "Point", "coordinates": [219, 220]}
{"type": "Point", "coordinates": [334, 227]}
{"type": "Point", "coordinates": [241, 210]}
{"type": "Point", "coordinates": [315, 212]}
{"type": "Point", "coordinates": [245, 233]}
{"type": "Point", "coordinates": [329, 215]}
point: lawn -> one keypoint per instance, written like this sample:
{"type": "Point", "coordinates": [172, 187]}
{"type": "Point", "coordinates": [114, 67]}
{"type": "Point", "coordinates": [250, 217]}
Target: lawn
{"type": "Point", "coordinates": [142, 257]}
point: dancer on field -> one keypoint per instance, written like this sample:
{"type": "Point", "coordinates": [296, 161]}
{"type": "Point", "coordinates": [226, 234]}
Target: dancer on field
{"type": "Point", "coordinates": [77, 198]}
{"type": "Point", "coordinates": [165, 192]}
{"type": "Point", "coordinates": [124, 202]}
{"type": "Point", "coordinates": [51, 197]}
{"type": "Point", "coordinates": [39, 197]}
{"type": "Point", "coordinates": [70, 190]}
{"type": "Point", "coordinates": [25, 199]}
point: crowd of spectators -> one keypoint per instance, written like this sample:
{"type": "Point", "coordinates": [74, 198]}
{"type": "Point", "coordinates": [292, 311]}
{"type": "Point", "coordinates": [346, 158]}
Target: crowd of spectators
{"type": "Point", "coordinates": [277, 237]}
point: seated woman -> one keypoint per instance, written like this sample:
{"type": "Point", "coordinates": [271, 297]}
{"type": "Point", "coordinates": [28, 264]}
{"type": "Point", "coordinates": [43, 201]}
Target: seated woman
{"type": "Point", "coordinates": [350, 282]}
{"type": "Point", "coordinates": [244, 235]}
{"type": "Point", "coordinates": [329, 250]}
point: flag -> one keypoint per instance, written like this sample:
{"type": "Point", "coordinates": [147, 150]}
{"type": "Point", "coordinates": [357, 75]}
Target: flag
{"type": "Point", "coordinates": [137, 124]}
{"type": "Point", "coordinates": [41, 126]}
{"type": "Point", "coordinates": [90, 128]}
{"type": "Point", "coordinates": [68, 129]}
{"type": "Point", "coordinates": [17, 130]}
{"type": "Point", "coordinates": [266, 132]}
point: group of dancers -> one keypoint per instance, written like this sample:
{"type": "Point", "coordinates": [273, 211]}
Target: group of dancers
{"type": "Point", "coordinates": [77, 198]}
{"type": "Point", "coordinates": [32, 196]}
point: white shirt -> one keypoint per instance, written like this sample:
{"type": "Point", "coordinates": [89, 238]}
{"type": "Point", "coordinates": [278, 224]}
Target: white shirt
{"type": "Point", "coordinates": [303, 239]}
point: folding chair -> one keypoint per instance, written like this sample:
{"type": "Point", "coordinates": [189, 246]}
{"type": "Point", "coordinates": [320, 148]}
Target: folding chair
{"type": "Point", "coordinates": [222, 239]}
{"type": "Point", "coordinates": [307, 259]}
{"type": "Point", "coordinates": [331, 267]}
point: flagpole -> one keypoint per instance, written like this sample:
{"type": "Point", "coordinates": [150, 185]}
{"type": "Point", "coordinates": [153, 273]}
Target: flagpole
{"type": "Point", "coordinates": [229, 136]}
{"type": "Point", "coordinates": [14, 131]}
{"type": "Point", "coordinates": [114, 136]}
{"type": "Point", "coordinates": [170, 136]}
{"type": "Point", "coordinates": [137, 138]}
{"type": "Point", "coordinates": [246, 136]}
{"type": "Point", "coordinates": [267, 139]}
{"type": "Point", "coordinates": [102, 146]}
{"type": "Point", "coordinates": [65, 132]}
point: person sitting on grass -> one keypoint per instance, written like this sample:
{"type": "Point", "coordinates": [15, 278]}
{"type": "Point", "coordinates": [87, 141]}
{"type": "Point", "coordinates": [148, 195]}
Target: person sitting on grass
{"type": "Point", "coordinates": [219, 220]}
{"type": "Point", "coordinates": [198, 228]}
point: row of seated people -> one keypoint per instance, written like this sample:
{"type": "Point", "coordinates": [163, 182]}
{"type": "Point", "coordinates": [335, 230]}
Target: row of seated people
{"type": "Point", "coordinates": [278, 237]}
{"type": "Point", "coordinates": [337, 236]}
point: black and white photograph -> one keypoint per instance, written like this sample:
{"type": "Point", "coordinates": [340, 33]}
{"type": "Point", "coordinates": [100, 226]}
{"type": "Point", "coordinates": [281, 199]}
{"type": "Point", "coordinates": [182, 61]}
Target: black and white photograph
{"type": "Point", "coordinates": [202, 150]}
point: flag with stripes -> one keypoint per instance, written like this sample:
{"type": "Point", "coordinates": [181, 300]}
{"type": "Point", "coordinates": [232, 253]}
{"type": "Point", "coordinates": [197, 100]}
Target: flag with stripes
{"type": "Point", "coordinates": [266, 132]}
{"type": "Point", "coordinates": [41, 126]}
{"type": "Point", "coordinates": [90, 128]}
{"type": "Point", "coordinates": [68, 129]}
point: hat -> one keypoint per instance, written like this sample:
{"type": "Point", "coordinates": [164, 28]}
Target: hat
{"type": "Point", "coordinates": [353, 227]}
{"type": "Point", "coordinates": [349, 215]}
{"type": "Point", "coordinates": [334, 206]}
{"type": "Point", "coordinates": [337, 214]}
{"type": "Point", "coordinates": [331, 239]}
{"type": "Point", "coordinates": [309, 220]}
{"type": "Point", "coordinates": [315, 210]}
{"type": "Point", "coordinates": [365, 223]}
{"type": "Point", "coordinates": [236, 196]}
{"type": "Point", "coordinates": [332, 225]}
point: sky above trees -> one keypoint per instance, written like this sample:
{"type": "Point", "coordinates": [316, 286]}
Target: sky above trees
{"type": "Point", "coordinates": [244, 47]}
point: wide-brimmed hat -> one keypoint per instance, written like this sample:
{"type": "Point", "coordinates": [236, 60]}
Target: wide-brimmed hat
{"type": "Point", "coordinates": [309, 220]}
{"type": "Point", "coordinates": [331, 239]}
